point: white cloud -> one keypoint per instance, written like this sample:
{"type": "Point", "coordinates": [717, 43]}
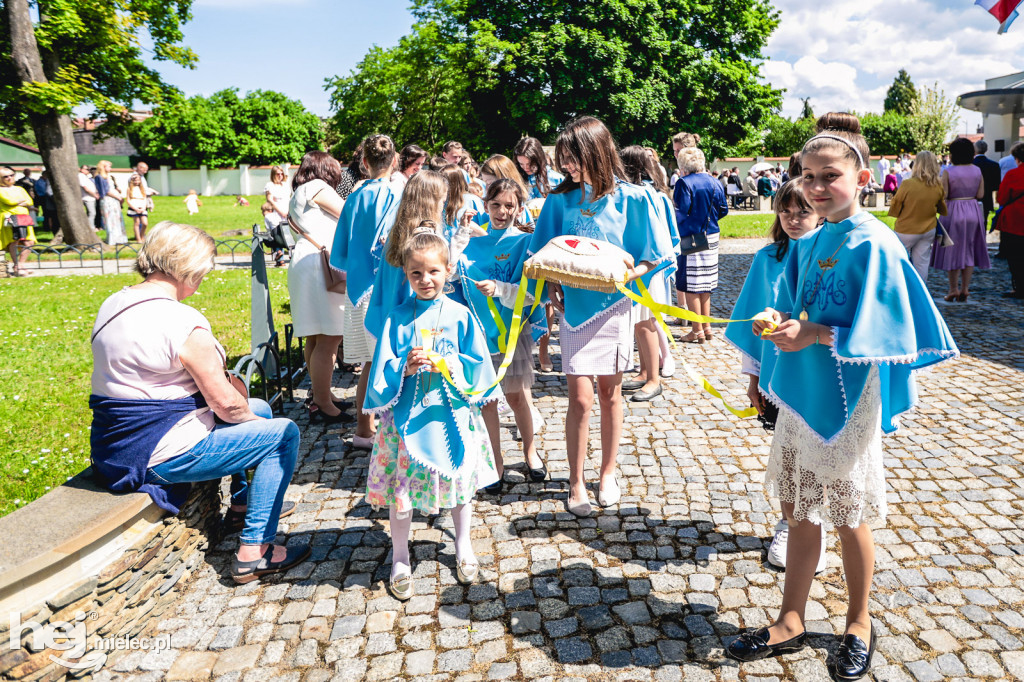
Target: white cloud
{"type": "Point", "coordinates": [844, 54]}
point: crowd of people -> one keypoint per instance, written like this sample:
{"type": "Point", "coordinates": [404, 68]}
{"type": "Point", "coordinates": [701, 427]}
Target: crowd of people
{"type": "Point", "coordinates": [408, 266]}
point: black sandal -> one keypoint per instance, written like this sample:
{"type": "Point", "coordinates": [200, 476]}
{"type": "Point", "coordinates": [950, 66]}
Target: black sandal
{"type": "Point", "coordinates": [247, 571]}
{"type": "Point", "coordinates": [235, 520]}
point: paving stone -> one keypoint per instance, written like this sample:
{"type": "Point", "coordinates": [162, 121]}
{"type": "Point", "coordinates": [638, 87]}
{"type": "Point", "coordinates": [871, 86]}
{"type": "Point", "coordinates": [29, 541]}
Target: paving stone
{"type": "Point", "coordinates": [192, 665]}
{"type": "Point", "coordinates": [235, 659]}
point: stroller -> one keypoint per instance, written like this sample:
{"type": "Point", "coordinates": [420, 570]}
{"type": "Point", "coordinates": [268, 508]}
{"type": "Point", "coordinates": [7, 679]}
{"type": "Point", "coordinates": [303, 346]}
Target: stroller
{"type": "Point", "coordinates": [278, 239]}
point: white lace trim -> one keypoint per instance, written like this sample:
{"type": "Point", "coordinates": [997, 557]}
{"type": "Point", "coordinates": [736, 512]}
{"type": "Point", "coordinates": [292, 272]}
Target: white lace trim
{"type": "Point", "coordinates": [377, 411]}
{"type": "Point", "coordinates": [840, 483]}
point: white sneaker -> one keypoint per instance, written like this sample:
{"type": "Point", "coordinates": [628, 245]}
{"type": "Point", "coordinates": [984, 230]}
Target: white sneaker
{"type": "Point", "coordinates": [668, 368]}
{"type": "Point", "coordinates": [822, 559]}
{"type": "Point", "coordinates": [777, 551]}
{"type": "Point", "coordinates": [503, 407]}
{"type": "Point", "coordinates": [538, 420]}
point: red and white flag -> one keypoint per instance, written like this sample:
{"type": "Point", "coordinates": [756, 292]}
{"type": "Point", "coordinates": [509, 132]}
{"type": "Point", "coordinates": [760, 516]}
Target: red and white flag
{"type": "Point", "coordinates": [1005, 11]}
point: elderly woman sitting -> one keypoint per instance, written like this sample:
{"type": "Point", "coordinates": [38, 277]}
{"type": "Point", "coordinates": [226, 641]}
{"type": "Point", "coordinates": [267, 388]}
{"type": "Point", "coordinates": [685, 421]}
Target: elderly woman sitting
{"type": "Point", "coordinates": [159, 390]}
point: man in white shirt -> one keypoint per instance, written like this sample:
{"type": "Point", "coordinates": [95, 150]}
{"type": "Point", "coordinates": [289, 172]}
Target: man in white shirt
{"type": "Point", "coordinates": [883, 169]}
{"type": "Point", "coordinates": [89, 194]}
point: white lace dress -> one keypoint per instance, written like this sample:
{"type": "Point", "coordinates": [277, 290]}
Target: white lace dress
{"type": "Point", "coordinates": [841, 483]}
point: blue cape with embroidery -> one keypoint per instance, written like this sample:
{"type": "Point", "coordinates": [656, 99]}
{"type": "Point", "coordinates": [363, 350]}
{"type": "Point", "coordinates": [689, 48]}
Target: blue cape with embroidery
{"type": "Point", "coordinates": [627, 218]}
{"type": "Point", "coordinates": [390, 289]}
{"type": "Point", "coordinates": [362, 230]}
{"type": "Point", "coordinates": [760, 291]}
{"type": "Point", "coordinates": [667, 210]}
{"type": "Point", "coordinates": [434, 434]}
{"type": "Point", "coordinates": [498, 255]}
{"type": "Point", "coordinates": [554, 180]}
{"type": "Point", "coordinates": [880, 313]}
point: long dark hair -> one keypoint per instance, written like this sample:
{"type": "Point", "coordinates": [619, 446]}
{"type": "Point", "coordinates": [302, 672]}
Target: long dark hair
{"type": "Point", "coordinates": [790, 195]}
{"type": "Point", "coordinates": [531, 148]}
{"type": "Point", "coordinates": [639, 166]}
{"type": "Point", "coordinates": [317, 166]}
{"type": "Point", "coordinates": [410, 153]}
{"type": "Point", "coordinates": [589, 143]}
{"type": "Point", "coordinates": [457, 189]}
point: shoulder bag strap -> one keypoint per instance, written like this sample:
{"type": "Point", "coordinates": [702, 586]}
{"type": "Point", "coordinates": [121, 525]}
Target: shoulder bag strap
{"type": "Point", "coordinates": [124, 310]}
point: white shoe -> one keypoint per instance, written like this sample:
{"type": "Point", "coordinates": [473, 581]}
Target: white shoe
{"type": "Point", "coordinates": [503, 407]}
{"type": "Point", "coordinates": [581, 508]}
{"type": "Point", "coordinates": [466, 571]}
{"type": "Point", "coordinates": [400, 586]}
{"type": "Point", "coordinates": [668, 368]}
{"type": "Point", "coordinates": [777, 551]}
{"type": "Point", "coordinates": [822, 559]}
{"type": "Point", "coordinates": [609, 495]}
{"type": "Point", "coordinates": [538, 420]}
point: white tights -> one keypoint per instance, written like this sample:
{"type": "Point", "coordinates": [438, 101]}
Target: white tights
{"type": "Point", "coordinates": [462, 515]}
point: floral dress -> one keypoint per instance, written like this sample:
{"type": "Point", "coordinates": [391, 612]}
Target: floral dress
{"type": "Point", "coordinates": [395, 479]}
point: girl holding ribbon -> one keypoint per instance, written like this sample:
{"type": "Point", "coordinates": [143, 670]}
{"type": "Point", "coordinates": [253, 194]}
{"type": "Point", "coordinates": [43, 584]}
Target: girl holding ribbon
{"type": "Point", "coordinates": [431, 451]}
{"type": "Point", "coordinates": [597, 331]}
{"type": "Point", "coordinates": [489, 270]}
{"type": "Point", "coordinates": [852, 323]}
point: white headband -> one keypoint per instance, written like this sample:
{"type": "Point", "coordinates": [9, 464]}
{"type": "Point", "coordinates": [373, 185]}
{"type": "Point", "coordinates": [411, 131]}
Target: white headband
{"type": "Point", "coordinates": [844, 141]}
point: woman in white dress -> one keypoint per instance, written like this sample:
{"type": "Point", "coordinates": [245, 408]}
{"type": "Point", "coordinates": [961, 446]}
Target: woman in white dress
{"type": "Point", "coordinates": [317, 314]}
{"type": "Point", "coordinates": [277, 191]}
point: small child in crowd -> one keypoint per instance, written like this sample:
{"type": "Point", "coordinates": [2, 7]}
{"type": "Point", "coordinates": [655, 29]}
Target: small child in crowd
{"type": "Point", "coordinates": [192, 202]}
{"type": "Point", "coordinates": [431, 451]}
{"type": "Point", "coordinates": [794, 218]}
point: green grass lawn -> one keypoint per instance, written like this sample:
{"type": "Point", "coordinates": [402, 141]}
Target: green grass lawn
{"type": "Point", "coordinates": [739, 224]}
{"type": "Point", "coordinates": [45, 323]}
{"type": "Point", "coordinates": [218, 217]}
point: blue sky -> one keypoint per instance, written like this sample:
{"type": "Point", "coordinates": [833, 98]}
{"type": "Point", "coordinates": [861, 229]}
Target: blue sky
{"type": "Point", "coordinates": [843, 57]}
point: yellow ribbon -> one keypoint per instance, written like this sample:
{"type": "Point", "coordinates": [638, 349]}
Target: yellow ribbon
{"type": "Point", "coordinates": [645, 299]}
{"type": "Point", "coordinates": [510, 346]}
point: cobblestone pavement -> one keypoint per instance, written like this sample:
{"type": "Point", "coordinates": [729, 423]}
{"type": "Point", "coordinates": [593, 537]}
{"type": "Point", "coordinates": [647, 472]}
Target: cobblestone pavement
{"type": "Point", "coordinates": [648, 590]}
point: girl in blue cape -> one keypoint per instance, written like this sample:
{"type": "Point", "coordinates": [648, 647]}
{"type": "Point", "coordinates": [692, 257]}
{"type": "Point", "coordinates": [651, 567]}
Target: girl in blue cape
{"type": "Point", "coordinates": [651, 341]}
{"type": "Point", "coordinates": [423, 199]}
{"type": "Point", "coordinates": [359, 240]}
{"type": "Point", "coordinates": [852, 322]}
{"type": "Point", "coordinates": [533, 164]}
{"type": "Point", "coordinates": [489, 270]}
{"type": "Point", "coordinates": [794, 218]}
{"type": "Point", "coordinates": [596, 329]}
{"type": "Point", "coordinates": [535, 171]}
{"type": "Point", "coordinates": [431, 451]}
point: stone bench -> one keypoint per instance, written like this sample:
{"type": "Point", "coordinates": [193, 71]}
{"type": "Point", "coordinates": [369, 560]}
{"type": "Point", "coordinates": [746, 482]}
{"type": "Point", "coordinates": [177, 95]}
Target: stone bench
{"type": "Point", "coordinates": [118, 559]}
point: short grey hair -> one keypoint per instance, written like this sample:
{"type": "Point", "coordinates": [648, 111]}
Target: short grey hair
{"type": "Point", "coordinates": [981, 146]}
{"type": "Point", "coordinates": [691, 160]}
{"type": "Point", "coordinates": [182, 252]}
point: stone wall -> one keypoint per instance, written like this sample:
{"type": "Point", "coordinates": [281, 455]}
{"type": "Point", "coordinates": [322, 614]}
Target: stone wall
{"type": "Point", "coordinates": [119, 601]}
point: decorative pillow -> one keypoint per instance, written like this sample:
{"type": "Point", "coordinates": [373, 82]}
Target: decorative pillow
{"type": "Point", "coordinates": [579, 262]}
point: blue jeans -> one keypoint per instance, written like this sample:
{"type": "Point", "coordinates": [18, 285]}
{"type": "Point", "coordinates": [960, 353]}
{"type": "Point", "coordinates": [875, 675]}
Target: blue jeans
{"type": "Point", "coordinates": [269, 445]}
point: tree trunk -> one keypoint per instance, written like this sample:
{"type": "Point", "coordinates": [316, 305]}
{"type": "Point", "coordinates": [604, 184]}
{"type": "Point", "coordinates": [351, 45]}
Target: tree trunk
{"type": "Point", "coordinates": [53, 131]}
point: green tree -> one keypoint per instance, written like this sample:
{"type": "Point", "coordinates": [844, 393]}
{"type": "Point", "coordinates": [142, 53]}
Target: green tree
{"type": "Point", "coordinates": [888, 133]}
{"type": "Point", "coordinates": [417, 91]}
{"type": "Point", "coordinates": [901, 95]}
{"type": "Point", "coordinates": [262, 128]}
{"type": "Point", "coordinates": [932, 120]}
{"type": "Point", "coordinates": [806, 111]}
{"type": "Point", "coordinates": [783, 136]}
{"type": "Point", "coordinates": [648, 68]}
{"type": "Point", "coordinates": [84, 52]}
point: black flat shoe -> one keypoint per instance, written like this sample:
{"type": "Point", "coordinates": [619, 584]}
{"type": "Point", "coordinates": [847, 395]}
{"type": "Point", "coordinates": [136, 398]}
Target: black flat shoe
{"type": "Point", "coordinates": [753, 645]}
{"type": "Point", "coordinates": [235, 520]}
{"type": "Point", "coordinates": [537, 475]}
{"type": "Point", "coordinates": [494, 488]}
{"type": "Point", "coordinates": [247, 571]}
{"type": "Point", "coordinates": [853, 660]}
{"type": "Point", "coordinates": [342, 405]}
{"type": "Point", "coordinates": [316, 414]}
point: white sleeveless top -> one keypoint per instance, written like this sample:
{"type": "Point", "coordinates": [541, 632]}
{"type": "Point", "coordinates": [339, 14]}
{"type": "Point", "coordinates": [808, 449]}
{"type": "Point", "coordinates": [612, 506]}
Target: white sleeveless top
{"type": "Point", "coordinates": [135, 357]}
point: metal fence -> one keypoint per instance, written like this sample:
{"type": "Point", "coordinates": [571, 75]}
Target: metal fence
{"type": "Point", "coordinates": [121, 257]}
